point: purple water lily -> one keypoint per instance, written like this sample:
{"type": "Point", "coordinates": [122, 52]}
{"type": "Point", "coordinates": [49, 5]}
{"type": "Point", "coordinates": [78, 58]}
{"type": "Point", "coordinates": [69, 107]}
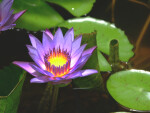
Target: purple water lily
{"type": "Point", "coordinates": [57, 59]}
{"type": "Point", "coordinates": [7, 19]}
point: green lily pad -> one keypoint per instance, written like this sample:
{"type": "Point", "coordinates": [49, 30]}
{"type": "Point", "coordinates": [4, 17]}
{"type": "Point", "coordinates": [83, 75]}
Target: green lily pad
{"type": "Point", "coordinates": [131, 88]}
{"type": "Point", "coordinates": [11, 82]}
{"type": "Point", "coordinates": [105, 33]}
{"type": "Point", "coordinates": [39, 15]}
{"type": "Point", "coordinates": [103, 63]}
{"type": "Point", "coordinates": [95, 80]}
{"type": "Point", "coordinates": [75, 7]}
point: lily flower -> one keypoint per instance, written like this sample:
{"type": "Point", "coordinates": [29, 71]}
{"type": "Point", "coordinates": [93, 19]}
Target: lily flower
{"type": "Point", "coordinates": [58, 59]}
{"type": "Point", "coordinates": [7, 19]}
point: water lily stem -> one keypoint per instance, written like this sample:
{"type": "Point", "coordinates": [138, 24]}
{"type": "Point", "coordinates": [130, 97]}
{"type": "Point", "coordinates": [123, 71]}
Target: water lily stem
{"type": "Point", "coordinates": [114, 56]}
{"type": "Point", "coordinates": [46, 98]}
{"type": "Point", "coordinates": [54, 98]}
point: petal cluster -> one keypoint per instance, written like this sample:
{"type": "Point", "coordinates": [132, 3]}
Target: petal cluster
{"type": "Point", "coordinates": [7, 19]}
{"type": "Point", "coordinates": [58, 59]}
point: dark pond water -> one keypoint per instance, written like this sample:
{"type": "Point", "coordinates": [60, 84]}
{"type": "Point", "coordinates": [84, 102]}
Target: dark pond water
{"type": "Point", "coordinates": [129, 17]}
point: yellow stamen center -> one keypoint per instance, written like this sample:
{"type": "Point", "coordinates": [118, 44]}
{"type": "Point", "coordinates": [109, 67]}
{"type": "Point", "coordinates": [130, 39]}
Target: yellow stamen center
{"type": "Point", "coordinates": [58, 60]}
{"type": "Point", "coordinates": [58, 63]}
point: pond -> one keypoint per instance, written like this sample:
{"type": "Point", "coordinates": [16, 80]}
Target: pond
{"type": "Point", "coordinates": [129, 17]}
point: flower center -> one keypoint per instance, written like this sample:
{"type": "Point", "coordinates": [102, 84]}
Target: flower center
{"type": "Point", "coordinates": [58, 59]}
{"type": "Point", "coordinates": [57, 62]}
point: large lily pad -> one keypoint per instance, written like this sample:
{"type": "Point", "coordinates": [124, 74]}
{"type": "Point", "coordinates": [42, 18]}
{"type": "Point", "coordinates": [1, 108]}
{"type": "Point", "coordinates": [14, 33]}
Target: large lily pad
{"type": "Point", "coordinates": [105, 33]}
{"type": "Point", "coordinates": [131, 88]}
{"type": "Point", "coordinates": [75, 7]}
{"type": "Point", "coordinates": [11, 81]}
{"type": "Point", "coordinates": [39, 15]}
{"type": "Point", "coordinates": [95, 80]}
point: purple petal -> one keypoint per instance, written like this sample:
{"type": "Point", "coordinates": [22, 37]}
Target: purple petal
{"type": "Point", "coordinates": [88, 72]}
{"type": "Point", "coordinates": [41, 70]}
{"type": "Point", "coordinates": [38, 69]}
{"type": "Point", "coordinates": [33, 40]}
{"type": "Point", "coordinates": [41, 79]}
{"type": "Point", "coordinates": [5, 20]}
{"type": "Point", "coordinates": [6, 3]}
{"type": "Point", "coordinates": [27, 66]}
{"type": "Point", "coordinates": [58, 39]}
{"type": "Point", "coordinates": [5, 7]}
{"type": "Point", "coordinates": [3, 28]}
{"type": "Point", "coordinates": [37, 44]}
{"type": "Point", "coordinates": [47, 42]}
{"type": "Point", "coordinates": [40, 50]}
{"type": "Point", "coordinates": [68, 43]}
{"type": "Point", "coordinates": [38, 61]}
{"type": "Point", "coordinates": [76, 44]}
{"type": "Point", "coordinates": [49, 74]}
{"type": "Point", "coordinates": [74, 75]}
{"type": "Point", "coordinates": [82, 73]}
{"type": "Point", "coordinates": [70, 34]}
{"type": "Point", "coordinates": [32, 50]}
{"type": "Point", "coordinates": [49, 34]}
{"type": "Point", "coordinates": [88, 51]}
{"type": "Point", "coordinates": [77, 55]}
{"type": "Point", "coordinates": [80, 63]}
{"type": "Point", "coordinates": [15, 17]}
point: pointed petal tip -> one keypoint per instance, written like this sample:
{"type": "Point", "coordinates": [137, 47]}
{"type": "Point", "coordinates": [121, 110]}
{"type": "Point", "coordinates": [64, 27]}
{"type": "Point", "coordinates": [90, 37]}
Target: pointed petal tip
{"type": "Point", "coordinates": [40, 79]}
{"type": "Point", "coordinates": [48, 32]}
{"type": "Point", "coordinates": [35, 80]}
{"type": "Point", "coordinates": [16, 16]}
{"type": "Point", "coordinates": [71, 29]}
{"type": "Point", "coordinates": [28, 46]}
{"type": "Point", "coordinates": [93, 48]}
{"type": "Point", "coordinates": [30, 35]}
{"type": "Point", "coordinates": [89, 72]}
{"type": "Point", "coordinates": [15, 62]}
{"type": "Point", "coordinates": [22, 12]}
{"type": "Point", "coordinates": [84, 45]}
{"type": "Point", "coordinates": [58, 29]}
{"type": "Point", "coordinates": [80, 36]}
{"type": "Point", "coordinates": [18, 63]}
{"type": "Point", "coordinates": [89, 51]}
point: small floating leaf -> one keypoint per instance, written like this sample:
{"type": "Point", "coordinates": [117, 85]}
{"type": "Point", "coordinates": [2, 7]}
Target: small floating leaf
{"type": "Point", "coordinates": [131, 88]}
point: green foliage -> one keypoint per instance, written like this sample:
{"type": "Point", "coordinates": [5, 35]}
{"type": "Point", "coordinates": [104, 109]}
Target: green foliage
{"type": "Point", "coordinates": [105, 33]}
{"type": "Point", "coordinates": [131, 88]}
{"type": "Point", "coordinates": [95, 80]}
{"type": "Point", "coordinates": [75, 7]}
{"type": "Point", "coordinates": [11, 82]}
{"type": "Point", "coordinates": [38, 16]}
